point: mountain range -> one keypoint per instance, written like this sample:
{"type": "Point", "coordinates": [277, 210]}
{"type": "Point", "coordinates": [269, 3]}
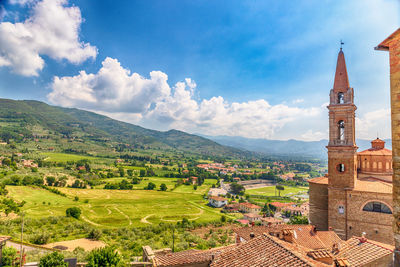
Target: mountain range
{"type": "Point", "coordinates": [31, 118]}
{"type": "Point", "coordinates": [286, 148]}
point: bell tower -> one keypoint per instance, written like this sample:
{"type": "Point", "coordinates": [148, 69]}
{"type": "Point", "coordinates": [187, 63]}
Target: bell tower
{"type": "Point", "coordinates": [342, 149]}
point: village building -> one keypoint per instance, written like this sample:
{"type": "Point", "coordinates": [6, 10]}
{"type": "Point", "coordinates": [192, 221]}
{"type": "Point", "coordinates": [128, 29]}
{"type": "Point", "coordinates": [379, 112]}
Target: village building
{"type": "Point", "coordinates": [247, 207]}
{"type": "Point", "coordinates": [270, 221]}
{"type": "Point", "coordinates": [279, 206]}
{"type": "Point", "coordinates": [280, 245]}
{"type": "Point", "coordinates": [217, 202]}
{"type": "Point", "coordinates": [356, 194]}
{"type": "Point", "coordinates": [232, 207]}
{"type": "Point", "coordinates": [252, 217]}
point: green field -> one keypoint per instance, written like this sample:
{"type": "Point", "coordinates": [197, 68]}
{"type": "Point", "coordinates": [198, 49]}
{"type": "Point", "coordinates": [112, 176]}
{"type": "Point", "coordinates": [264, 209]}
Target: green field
{"type": "Point", "coordinates": [116, 208]}
{"type": "Point", "coordinates": [64, 157]}
{"type": "Point", "coordinates": [270, 191]}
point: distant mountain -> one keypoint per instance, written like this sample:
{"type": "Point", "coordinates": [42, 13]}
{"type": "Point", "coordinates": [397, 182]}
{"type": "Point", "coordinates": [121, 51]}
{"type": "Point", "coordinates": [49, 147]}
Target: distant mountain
{"type": "Point", "coordinates": [32, 118]}
{"type": "Point", "coordinates": [285, 148]}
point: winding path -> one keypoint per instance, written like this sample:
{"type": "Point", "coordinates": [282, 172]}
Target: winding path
{"type": "Point", "coordinates": [123, 214]}
{"type": "Point", "coordinates": [144, 219]}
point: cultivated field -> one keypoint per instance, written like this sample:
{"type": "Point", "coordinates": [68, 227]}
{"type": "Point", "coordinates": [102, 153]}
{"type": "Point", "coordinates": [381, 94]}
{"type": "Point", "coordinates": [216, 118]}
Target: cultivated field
{"type": "Point", "coordinates": [270, 191]}
{"type": "Point", "coordinates": [117, 208]}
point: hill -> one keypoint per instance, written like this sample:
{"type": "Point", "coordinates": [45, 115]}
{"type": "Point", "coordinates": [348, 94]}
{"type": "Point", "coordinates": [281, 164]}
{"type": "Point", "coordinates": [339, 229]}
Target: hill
{"type": "Point", "coordinates": [87, 131]}
{"type": "Point", "coordinates": [291, 148]}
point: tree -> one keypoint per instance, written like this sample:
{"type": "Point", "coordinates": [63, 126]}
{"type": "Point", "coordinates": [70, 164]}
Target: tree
{"type": "Point", "coordinates": [142, 173]}
{"type": "Point", "coordinates": [279, 188]}
{"type": "Point", "coordinates": [104, 257]}
{"type": "Point", "coordinates": [50, 180]}
{"type": "Point", "coordinates": [223, 218]}
{"type": "Point", "coordinates": [298, 220]}
{"type": "Point", "coordinates": [237, 189]}
{"type": "Point", "coordinates": [95, 234]}
{"type": "Point", "coordinates": [54, 259]}
{"type": "Point", "coordinates": [130, 172]}
{"type": "Point", "coordinates": [73, 212]}
{"type": "Point", "coordinates": [150, 186]}
{"type": "Point", "coordinates": [121, 172]}
{"type": "Point", "coordinates": [135, 180]}
{"type": "Point", "coordinates": [195, 187]}
{"type": "Point", "coordinates": [163, 187]}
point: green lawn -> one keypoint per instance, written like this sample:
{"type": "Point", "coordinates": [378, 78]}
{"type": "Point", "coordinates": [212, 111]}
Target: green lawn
{"type": "Point", "coordinates": [64, 157]}
{"type": "Point", "coordinates": [270, 191]}
{"type": "Point", "coordinates": [116, 208]}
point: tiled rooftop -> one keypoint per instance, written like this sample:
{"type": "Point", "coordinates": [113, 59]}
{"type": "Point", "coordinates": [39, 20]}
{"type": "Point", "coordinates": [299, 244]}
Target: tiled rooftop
{"type": "Point", "coordinates": [263, 250]}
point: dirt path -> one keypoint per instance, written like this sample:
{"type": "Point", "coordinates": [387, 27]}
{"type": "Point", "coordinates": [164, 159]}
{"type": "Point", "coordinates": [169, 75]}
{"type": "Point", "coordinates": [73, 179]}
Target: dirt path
{"type": "Point", "coordinates": [144, 219]}
{"type": "Point", "coordinates": [123, 214]}
{"type": "Point", "coordinates": [89, 221]}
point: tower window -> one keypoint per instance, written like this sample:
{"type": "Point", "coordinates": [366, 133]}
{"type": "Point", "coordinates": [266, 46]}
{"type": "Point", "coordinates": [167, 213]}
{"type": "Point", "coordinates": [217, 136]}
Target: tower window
{"type": "Point", "coordinates": [340, 167]}
{"type": "Point", "coordinates": [341, 130]}
{"type": "Point", "coordinates": [340, 98]}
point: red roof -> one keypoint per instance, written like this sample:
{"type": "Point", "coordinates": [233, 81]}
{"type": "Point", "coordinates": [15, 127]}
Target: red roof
{"type": "Point", "coordinates": [216, 198]}
{"type": "Point", "coordinates": [318, 180]}
{"type": "Point", "coordinates": [250, 206]}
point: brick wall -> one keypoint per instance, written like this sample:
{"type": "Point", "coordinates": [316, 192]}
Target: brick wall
{"type": "Point", "coordinates": [319, 206]}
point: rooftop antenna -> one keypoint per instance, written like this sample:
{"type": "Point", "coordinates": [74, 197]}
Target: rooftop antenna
{"type": "Point", "coordinates": [341, 44]}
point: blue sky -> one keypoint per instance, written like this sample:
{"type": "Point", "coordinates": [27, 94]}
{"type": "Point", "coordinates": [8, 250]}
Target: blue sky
{"type": "Point", "coordinates": [260, 69]}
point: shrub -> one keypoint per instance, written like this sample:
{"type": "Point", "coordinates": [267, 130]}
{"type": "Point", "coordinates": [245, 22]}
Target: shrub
{"type": "Point", "coordinates": [150, 186]}
{"type": "Point", "coordinates": [104, 257]}
{"type": "Point", "coordinates": [40, 239]}
{"type": "Point", "coordinates": [95, 234]}
{"type": "Point", "coordinates": [163, 187]}
{"type": "Point", "coordinates": [74, 212]}
{"type": "Point", "coordinates": [54, 259]}
{"type": "Point", "coordinates": [223, 218]}
{"type": "Point", "coordinates": [10, 256]}
{"type": "Point", "coordinates": [76, 198]}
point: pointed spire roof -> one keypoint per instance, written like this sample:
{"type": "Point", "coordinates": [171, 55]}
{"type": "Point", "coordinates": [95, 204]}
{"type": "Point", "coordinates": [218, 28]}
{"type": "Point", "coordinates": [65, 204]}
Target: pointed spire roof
{"type": "Point", "coordinates": [341, 78]}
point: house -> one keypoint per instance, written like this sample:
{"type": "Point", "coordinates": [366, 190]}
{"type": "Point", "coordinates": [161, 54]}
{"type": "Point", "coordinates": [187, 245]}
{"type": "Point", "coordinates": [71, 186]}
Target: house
{"type": "Point", "coordinates": [252, 217]}
{"type": "Point", "coordinates": [193, 180]}
{"type": "Point", "coordinates": [233, 207]}
{"type": "Point", "coordinates": [247, 207]}
{"type": "Point", "coordinates": [236, 179]}
{"type": "Point", "coordinates": [217, 192]}
{"type": "Point", "coordinates": [279, 206]}
{"type": "Point", "coordinates": [270, 221]}
{"type": "Point", "coordinates": [217, 202]}
{"type": "Point", "coordinates": [280, 245]}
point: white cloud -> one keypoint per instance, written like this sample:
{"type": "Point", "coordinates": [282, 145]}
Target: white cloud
{"type": "Point", "coordinates": [151, 102]}
{"type": "Point", "coordinates": [297, 101]}
{"type": "Point", "coordinates": [311, 135]}
{"type": "Point", "coordinates": [112, 89]}
{"type": "Point", "coordinates": [374, 123]}
{"type": "Point", "coordinates": [52, 30]}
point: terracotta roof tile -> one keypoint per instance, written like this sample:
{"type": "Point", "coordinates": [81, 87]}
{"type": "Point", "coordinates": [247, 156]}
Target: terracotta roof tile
{"type": "Point", "coordinates": [361, 253]}
{"type": "Point", "coordinates": [4, 238]}
{"type": "Point", "coordinates": [249, 205]}
{"type": "Point", "coordinates": [379, 152]}
{"type": "Point", "coordinates": [263, 250]}
{"type": "Point", "coordinates": [188, 257]}
{"type": "Point", "coordinates": [319, 254]}
{"type": "Point", "coordinates": [373, 186]}
{"type": "Point", "coordinates": [318, 180]}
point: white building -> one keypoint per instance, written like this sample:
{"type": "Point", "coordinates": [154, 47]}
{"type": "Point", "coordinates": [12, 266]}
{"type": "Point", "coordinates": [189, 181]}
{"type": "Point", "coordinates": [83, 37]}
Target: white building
{"type": "Point", "coordinates": [217, 202]}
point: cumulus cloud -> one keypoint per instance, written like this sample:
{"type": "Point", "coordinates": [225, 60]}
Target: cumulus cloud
{"type": "Point", "coordinates": [52, 30]}
{"type": "Point", "coordinates": [372, 123]}
{"type": "Point", "coordinates": [151, 102]}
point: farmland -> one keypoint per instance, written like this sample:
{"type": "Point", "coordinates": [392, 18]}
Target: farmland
{"type": "Point", "coordinates": [270, 191]}
{"type": "Point", "coordinates": [116, 208]}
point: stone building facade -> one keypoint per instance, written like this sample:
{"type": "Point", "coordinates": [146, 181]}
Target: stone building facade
{"type": "Point", "coordinates": [356, 194]}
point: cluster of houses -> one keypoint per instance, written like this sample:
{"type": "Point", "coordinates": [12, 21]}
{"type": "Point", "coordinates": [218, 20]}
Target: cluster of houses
{"type": "Point", "coordinates": [279, 245]}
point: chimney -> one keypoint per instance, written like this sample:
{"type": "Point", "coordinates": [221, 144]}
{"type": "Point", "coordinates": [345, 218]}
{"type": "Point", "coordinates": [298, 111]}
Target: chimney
{"type": "Point", "coordinates": [313, 230]}
{"type": "Point", "coordinates": [363, 238]}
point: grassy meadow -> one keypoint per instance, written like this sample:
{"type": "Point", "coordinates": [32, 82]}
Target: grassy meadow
{"type": "Point", "coordinates": [117, 208]}
{"type": "Point", "coordinates": [270, 191]}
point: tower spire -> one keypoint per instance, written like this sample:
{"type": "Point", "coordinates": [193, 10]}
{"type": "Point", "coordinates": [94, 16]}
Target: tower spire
{"type": "Point", "coordinates": [341, 78]}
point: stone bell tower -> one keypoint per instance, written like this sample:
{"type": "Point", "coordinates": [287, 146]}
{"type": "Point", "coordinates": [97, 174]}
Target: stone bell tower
{"type": "Point", "coordinates": [342, 149]}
